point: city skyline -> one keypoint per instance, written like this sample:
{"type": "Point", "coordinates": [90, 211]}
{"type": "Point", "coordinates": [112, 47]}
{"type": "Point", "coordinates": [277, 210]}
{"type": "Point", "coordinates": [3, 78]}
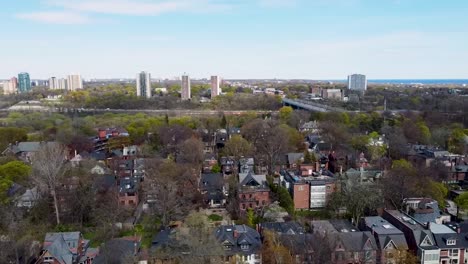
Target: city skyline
{"type": "Point", "coordinates": [258, 39]}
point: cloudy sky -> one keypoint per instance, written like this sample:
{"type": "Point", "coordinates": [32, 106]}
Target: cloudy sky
{"type": "Point", "coordinates": [311, 39]}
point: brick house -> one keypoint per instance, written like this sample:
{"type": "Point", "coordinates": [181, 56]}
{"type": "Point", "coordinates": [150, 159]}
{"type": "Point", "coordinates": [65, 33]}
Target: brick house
{"type": "Point", "coordinates": [346, 244]}
{"type": "Point", "coordinates": [253, 192]}
{"type": "Point", "coordinates": [128, 192]}
{"type": "Point", "coordinates": [390, 240]}
{"type": "Point", "coordinates": [420, 240]}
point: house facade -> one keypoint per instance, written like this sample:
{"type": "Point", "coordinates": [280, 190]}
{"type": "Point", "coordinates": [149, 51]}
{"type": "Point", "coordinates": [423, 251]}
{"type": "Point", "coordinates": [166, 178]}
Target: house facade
{"type": "Point", "coordinates": [67, 248]}
{"type": "Point", "coordinates": [242, 244]}
{"type": "Point", "coordinates": [253, 192]}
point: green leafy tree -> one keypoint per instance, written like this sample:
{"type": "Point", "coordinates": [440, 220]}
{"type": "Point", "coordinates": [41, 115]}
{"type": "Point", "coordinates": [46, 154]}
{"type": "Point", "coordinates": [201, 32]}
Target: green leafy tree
{"type": "Point", "coordinates": [10, 135]}
{"type": "Point", "coordinates": [250, 217]}
{"type": "Point", "coordinates": [216, 169]}
{"type": "Point", "coordinates": [462, 202]}
{"type": "Point", "coordinates": [438, 191]}
{"type": "Point", "coordinates": [285, 200]}
{"type": "Point", "coordinates": [12, 172]}
{"type": "Point", "coordinates": [285, 113]}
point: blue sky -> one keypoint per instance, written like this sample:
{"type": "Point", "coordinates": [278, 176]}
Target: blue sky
{"type": "Point", "coordinates": [311, 39]}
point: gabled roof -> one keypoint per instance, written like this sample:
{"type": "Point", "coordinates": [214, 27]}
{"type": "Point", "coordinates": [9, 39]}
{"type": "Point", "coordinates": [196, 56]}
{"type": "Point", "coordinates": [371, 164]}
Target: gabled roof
{"type": "Point", "coordinates": [62, 246]}
{"type": "Point", "coordinates": [250, 179]}
{"type": "Point", "coordinates": [238, 235]}
{"type": "Point", "coordinates": [287, 228]}
{"type": "Point", "coordinates": [28, 146]}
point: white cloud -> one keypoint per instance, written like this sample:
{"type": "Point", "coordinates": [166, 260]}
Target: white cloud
{"type": "Point", "coordinates": [55, 17]}
{"type": "Point", "coordinates": [139, 7]}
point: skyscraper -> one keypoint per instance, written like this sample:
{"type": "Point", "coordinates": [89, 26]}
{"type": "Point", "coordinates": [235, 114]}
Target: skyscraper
{"type": "Point", "coordinates": [9, 87]}
{"type": "Point", "coordinates": [53, 83]}
{"type": "Point", "coordinates": [24, 82]}
{"type": "Point", "coordinates": [357, 82]}
{"type": "Point", "coordinates": [215, 90]}
{"type": "Point", "coordinates": [143, 84]}
{"type": "Point", "coordinates": [62, 84]}
{"type": "Point", "coordinates": [185, 87]}
{"type": "Point", "coordinates": [74, 82]}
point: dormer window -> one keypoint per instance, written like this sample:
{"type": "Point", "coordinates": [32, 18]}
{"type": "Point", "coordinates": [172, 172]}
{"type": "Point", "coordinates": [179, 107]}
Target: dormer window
{"type": "Point", "coordinates": [451, 242]}
{"type": "Point", "coordinates": [245, 247]}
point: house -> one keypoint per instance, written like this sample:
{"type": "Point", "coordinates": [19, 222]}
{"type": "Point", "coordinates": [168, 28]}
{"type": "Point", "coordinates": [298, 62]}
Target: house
{"type": "Point", "coordinates": [362, 176]}
{"type": "Point", "coordinates": [419, 239]}
{"type": "Point", "coordinates": [28, 199]}
{"type": "Point", "coordinates": [25, 150]}
{"type": "Point", "coordinates": [246, 165]}
{"type": "Point", "coordinates": [253, 191]}
{"type": "Point", "coordinates": [390, 241]}
{"type": "Point", "coordinates": [76, 160]}
{"type": "Point", "coordinates": [311, 127]}
{"type": "Point", "coordinates": [425, 210]}
{"type": "Point", "coordinates": [310, 192]}
{"type": "Point", "coordinates": [119, 251]}
{"type": "Point", "coordinates": [227, 165]}
{"type": "Point", "coordinates": [292, 235]}
{"type": "Point", "coordinates": [213, 189]}
{"type": "Point", "coordinates": [452, 242]}
{"type": "Point", "coordinates": [99, 170]}
{"type": "Point", "coordinates": [241, 244]}
{"type": "Point", "coordinates": [347, 244]}
{"type": "Point", "coordinates": [128, 192]}
{"type": "Point", "coordinates": [286, 228]}
{"type": "Point", "coordinates": [294, 159]}
{"type": "Point", "coordinates": [209, 162]}
{"type": "Point", "coordinates": [67, 248]}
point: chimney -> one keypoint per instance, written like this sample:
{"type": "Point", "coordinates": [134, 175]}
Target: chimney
{"type": "Point", "coordinates": [236, 234]}
{"type": "Point", "coordinates": [458, 230]}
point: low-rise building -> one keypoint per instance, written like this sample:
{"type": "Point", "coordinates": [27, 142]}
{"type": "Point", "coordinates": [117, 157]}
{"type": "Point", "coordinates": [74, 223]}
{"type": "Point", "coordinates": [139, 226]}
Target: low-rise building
{"type": "Point", "coordinates": [419, 239]}
{"type": "Point", "coordinates": [67, 248]}
{"type": "Point", "coordinates": [213, 189]}
{"type": "Point", "coordinates": [253, 191]}
{"type": "Point", "coordinates": [391, 242]}
{"type": "Point", "coordinates": [241, 243]}
{"type": "Point", "coordinates": [346, 244]}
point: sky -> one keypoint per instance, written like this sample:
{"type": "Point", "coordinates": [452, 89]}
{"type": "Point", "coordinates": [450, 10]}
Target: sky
{"type": "Point", "coordinates": [236, 39]}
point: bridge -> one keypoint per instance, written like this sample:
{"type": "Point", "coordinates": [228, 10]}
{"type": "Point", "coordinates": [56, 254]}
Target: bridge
{"type": "Point", "coordinates": [310, 106]}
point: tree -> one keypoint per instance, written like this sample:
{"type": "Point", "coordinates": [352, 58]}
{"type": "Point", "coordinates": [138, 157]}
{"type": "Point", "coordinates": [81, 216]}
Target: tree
{"type": "Point", "coordinates": [194, 242]}
{"type": "Point", "coordinates": [273, 252]}
{"type": "Point", "coordinates": [285, 113]}
{"type": "Point", "coordinates": [285, 200]}
{"type": "Point", "coordinates": [49, 169]}
{"type": "Point", "coordinates": [237, 147]}
{"type": "Point", "coordinates": [402, 181]}
{"type": "Point", "coordinates": [438, 191]}
{"type": "Point", "coordinates": [11, 135]}
{"type": "Point", "coordinates": [190, 151]}
{"type": "Point", "coordinates": [12, 172]}
{"type": "Point", "coordinates": [174, 187]}
{"type": "Point", "coordinates": [251, 217]}
{"type": "Point", "coordinates": [309, 158]}
{"type": "Point", "coordinates": [462, 202]}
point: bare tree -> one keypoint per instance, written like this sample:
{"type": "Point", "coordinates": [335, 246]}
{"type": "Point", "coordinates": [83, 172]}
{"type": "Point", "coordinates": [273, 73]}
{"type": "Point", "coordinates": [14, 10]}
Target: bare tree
{"type": "Point", "coordinates": [174, 187]}
{"type": "Point", "coordinates": [49, 168]}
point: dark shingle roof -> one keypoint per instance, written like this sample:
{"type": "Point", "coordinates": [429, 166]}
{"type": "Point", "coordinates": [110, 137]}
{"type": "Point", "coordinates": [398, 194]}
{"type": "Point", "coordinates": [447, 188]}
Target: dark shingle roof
{"type": "Point", "coordinates": [237, 235]}
{"type": "Point", "coordinates": [290, 228]}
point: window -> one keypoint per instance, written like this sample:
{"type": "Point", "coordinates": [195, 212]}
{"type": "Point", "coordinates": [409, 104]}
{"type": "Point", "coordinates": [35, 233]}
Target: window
{"type": "Point", "coordinates": [301, 188]}
{"type": "Point", "coordinates": [453, 253]}
{"type": "Point", "coordinates": [451, 242]}
{"type": "Point", "coordinates": [245, 247]}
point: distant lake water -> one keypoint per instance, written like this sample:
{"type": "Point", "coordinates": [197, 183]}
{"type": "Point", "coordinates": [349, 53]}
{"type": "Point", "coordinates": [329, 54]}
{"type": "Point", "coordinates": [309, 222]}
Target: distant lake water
{"type": "Point", "coordinates": [414, 81]}
{"type": "Point", "coordinates": [424, 81]}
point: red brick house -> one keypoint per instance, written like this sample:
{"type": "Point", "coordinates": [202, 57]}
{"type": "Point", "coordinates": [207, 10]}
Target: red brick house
{"type": "Point", "coordinates": [301, 195]}
{"type": "Point", "coordinates": [253, 192]}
